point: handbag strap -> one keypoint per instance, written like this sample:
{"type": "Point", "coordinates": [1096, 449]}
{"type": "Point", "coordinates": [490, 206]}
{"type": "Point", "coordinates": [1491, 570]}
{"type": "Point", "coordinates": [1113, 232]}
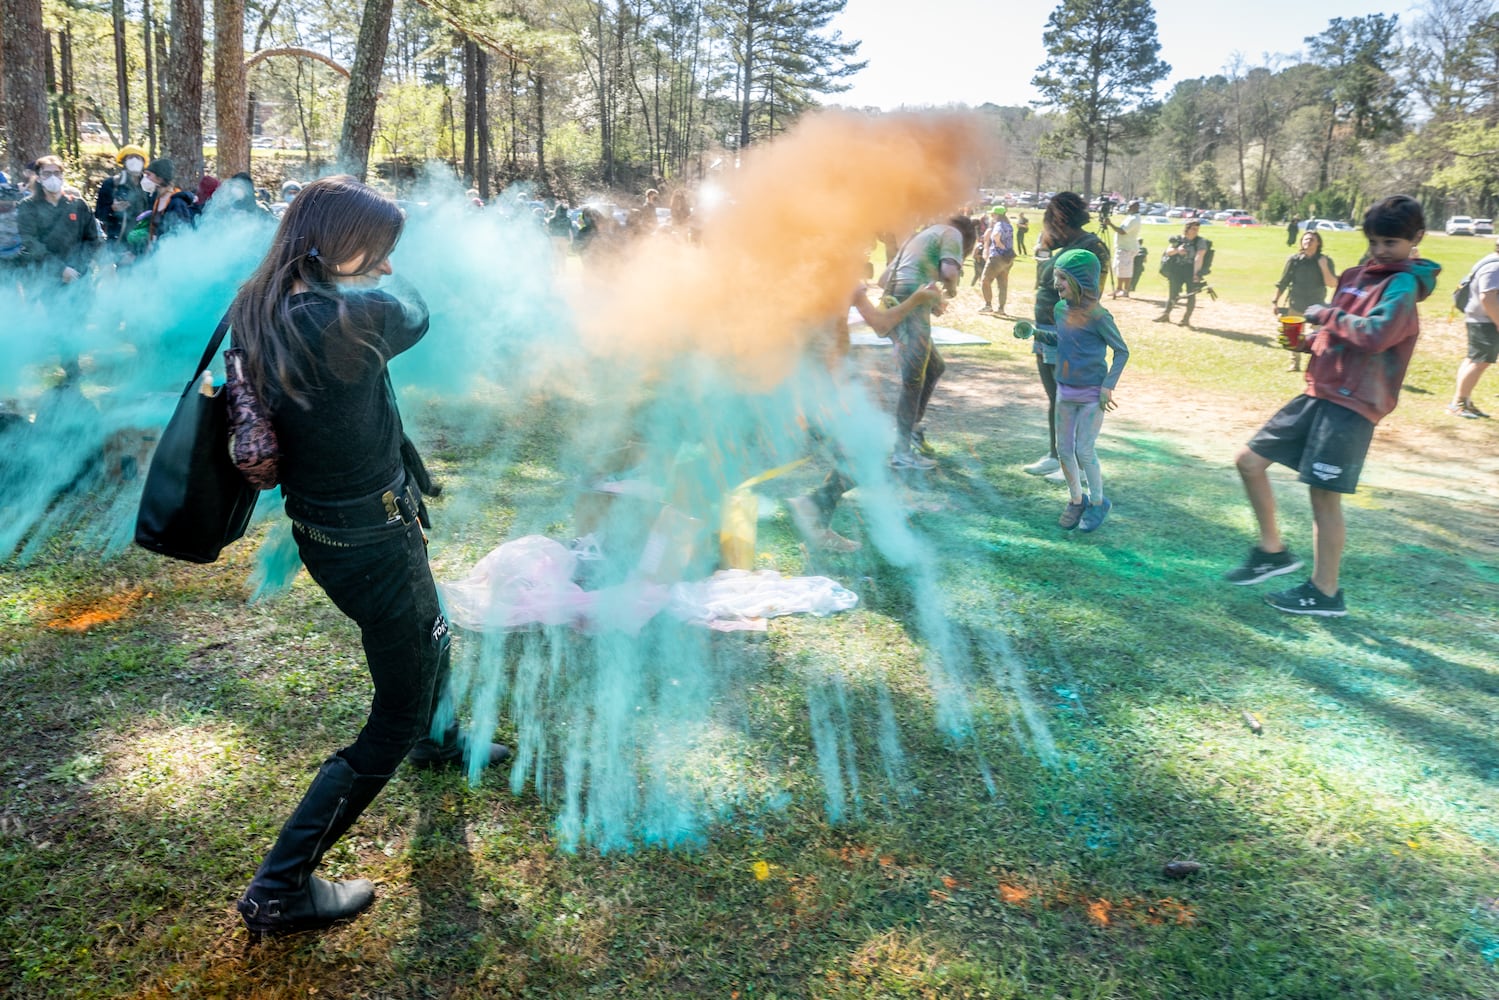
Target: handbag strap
{"type": "Point", "coordinates": [208, 353]}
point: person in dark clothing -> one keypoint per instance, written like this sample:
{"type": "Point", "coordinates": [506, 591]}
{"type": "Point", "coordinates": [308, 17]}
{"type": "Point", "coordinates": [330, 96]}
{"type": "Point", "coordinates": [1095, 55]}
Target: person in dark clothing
{"type": "Point", "coordinates": [1022, 227]}
{"type": "Point", "coordinates": [170, 208]}
{"type": "Point", "coordinates": [1182, 264]}
{"type": "Point", "coordinates": [1061, 230]}
{"type": "Point", "coordinates": [1291, 228]}
{"type": "Point", "coordinates": [1309, 276]}
{"type": "Point", "coordinates": [317, 336]}
{"type": "Point", "coordinates": [120, 196]}
{"type": "Point", "coordinates": [58, 234]}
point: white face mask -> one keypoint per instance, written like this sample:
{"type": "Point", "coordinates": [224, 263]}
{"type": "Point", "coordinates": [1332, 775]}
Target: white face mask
{"type": "Point", "coordinates": [52, 185]}
{"type": "Point", "coordinates": [148, 185]}
{"type": "Point", "coordinates": [134, 164]}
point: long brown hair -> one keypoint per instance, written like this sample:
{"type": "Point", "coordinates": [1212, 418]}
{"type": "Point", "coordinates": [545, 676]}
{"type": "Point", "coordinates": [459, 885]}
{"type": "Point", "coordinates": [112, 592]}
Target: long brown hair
{"type": "Point", "coordinates": [329, 223]}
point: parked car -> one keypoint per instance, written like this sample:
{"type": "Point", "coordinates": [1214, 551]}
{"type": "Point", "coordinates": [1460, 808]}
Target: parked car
{"type": "Point", "coordinates": [1324, 225]}
{"type": "Point", "coordinates": [1240, 220]}
{"type": "Point", "coordinates": [1460, 225]}
{"type": "Point", "coordinates": [1483, 227]}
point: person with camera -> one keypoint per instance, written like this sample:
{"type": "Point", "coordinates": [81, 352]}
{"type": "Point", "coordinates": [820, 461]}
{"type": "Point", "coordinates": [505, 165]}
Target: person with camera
{"type": "Point", "coordinates": [1182, 265]}
{"type": "Point", "coordinates": [1126, 229]}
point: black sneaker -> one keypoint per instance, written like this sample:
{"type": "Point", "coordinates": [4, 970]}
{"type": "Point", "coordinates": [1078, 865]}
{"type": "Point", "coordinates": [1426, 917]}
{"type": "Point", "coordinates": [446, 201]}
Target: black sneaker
{"type": "Point", "coordinates": [1262, 565]}
{"type": "Point", "coordinates": [1308, 600]}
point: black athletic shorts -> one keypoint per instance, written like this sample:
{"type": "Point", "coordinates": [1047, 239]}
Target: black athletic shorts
{"type": "Point", "coordinates": [1324, 442]}
{"type": "Point", "coordinates": [1483, 342]}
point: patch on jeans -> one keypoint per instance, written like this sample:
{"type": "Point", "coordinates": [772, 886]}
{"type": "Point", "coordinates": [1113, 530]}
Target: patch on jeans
{"type": "Point", "coordinates": [1324, 472]}
{"type": "Point", "coordinates": [439, 628]}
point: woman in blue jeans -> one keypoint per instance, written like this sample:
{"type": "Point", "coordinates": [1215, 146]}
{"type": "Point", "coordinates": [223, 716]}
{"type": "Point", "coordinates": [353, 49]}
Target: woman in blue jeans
{"type": "Point", "coordinates": [317, 335]}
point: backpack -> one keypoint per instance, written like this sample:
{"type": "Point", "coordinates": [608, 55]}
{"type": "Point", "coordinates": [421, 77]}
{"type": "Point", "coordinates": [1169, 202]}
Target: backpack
{"type": "Point", "coordinates": [1207, 260]}
{"type": "Point", "coordinates": [1464, 290]}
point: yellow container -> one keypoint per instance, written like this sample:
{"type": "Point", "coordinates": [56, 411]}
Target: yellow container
{"type": "Point", "coordinates": [736, 529]}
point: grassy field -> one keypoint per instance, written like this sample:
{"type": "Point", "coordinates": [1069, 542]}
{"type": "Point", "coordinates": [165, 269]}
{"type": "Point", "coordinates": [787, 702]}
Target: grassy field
{"type": "Point", "coordinates": [158, 729]}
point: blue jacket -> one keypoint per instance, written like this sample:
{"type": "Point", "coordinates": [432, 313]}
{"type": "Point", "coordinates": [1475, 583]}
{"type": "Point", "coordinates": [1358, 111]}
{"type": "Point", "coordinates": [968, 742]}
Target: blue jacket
{"type": "Point", "coordinates": [1083, 337]}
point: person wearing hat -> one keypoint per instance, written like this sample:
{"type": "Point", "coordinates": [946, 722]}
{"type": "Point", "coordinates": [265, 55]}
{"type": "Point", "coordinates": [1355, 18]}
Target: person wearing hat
{"type": "Point", "coordinates": [120, 196]}
{"type": "Point", "coordinates": [289, 190]}
{"type": "Point", "coordinates": [999, 257]}
{"type": "Point", "coordinates": [1083, 333]}
{"type": "Point", "coordinates": [170, 208]}
{"type": "Point", "coordinates": [1126, 245]}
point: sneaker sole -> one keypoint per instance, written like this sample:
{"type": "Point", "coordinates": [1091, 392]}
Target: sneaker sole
{"type": "Point", "coordinates": [1313, 612]}
{"type": "Point", "coordinates": [1278, 571]}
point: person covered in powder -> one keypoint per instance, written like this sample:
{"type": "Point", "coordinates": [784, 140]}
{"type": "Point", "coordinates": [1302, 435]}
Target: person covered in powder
{"type": "Point", "coordinates": [1083, 333]}
{"type": "Point", "coordinates": [812, 514]}
{"type": "Point", "coordinates": [316, 336]}
{"type": "Point", "coordinates": [1061, 230]}
{"type": "Point", "coordinates": [935, 254]}
{"type": "Point", "coordinates": [1358, 362]}
{"type": "Point", "coordinates": [59, 237]}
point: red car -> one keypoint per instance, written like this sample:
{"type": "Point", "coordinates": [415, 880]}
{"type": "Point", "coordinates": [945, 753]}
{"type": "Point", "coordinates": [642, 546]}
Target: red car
{"type": "Point", "coordinates": [1240, 220]}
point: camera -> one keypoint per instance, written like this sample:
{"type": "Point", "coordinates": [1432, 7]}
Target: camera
{"type": "Point", "coordinates": [1105, 209]}
{"type": "Point", "coordinates": [1176, 240]}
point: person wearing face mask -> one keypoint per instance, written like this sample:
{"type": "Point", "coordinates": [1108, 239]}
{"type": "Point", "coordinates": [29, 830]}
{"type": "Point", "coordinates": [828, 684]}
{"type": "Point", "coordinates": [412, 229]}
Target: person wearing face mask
{"type": "Point", "coordinates": [120, 196]}
{"type": "Point", "coordinates": [58, 233]}
{"type": "Point", "coordinates": [58, 238]}
{"type": "Point", "coordinates": [169, 208]}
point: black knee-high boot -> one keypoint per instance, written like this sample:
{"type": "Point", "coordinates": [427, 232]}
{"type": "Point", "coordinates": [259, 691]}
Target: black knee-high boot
{"type": "Point", "coordinates": [285, 896]}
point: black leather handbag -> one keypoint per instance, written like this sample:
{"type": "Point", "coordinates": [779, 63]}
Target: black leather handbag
{"type": "Point", "coordinates": [195, 501]}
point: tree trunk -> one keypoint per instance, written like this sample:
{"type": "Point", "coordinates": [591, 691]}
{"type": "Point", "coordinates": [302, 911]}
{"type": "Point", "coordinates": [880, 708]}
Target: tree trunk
{"type": "Point", "coordinates": [541, 131]}
{"type": "Point", "coordinates": [470, 108]}
{"type": "Point", "coordinates": [149, 42]}
{"type": "Point", "coordinates": [49, 77]}
{"type": "Point", "coordinates": [23, 81]}
{"type": "Point", "coordinates": [182, 97]}
{"type": "Point", "coordinates": [1088, 142]}
{"type": "Point", "coordinates": [364, 88]}
{"type": "Point", "coordinates": [122, 68]}
{"type": "Point", "coordinates": [481, 132]}
{"type": "Point", "coordinates": [746, 77]}
{"type": "Point", "coordinates": [69, 93]}
{"type": "Point", "coordinates": [229, 87]}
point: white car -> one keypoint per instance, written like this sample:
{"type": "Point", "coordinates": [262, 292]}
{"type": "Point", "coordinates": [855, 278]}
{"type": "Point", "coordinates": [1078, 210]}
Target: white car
{"type": "Point", "coordinates": [1460, 225]}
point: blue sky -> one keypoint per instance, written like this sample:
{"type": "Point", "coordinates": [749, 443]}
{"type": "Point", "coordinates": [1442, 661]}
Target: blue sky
{"type": "Point", "coordinates": [916, 60]}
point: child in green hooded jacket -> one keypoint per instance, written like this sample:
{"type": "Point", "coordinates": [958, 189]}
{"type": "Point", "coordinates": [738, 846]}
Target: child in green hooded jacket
{"type": "Point", "coordinates": [1085, 336]}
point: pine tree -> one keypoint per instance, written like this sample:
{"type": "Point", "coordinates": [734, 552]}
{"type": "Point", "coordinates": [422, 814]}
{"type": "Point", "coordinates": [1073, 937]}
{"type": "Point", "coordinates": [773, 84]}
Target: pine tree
{"type": "Point", "coordinates": [1101, 63]}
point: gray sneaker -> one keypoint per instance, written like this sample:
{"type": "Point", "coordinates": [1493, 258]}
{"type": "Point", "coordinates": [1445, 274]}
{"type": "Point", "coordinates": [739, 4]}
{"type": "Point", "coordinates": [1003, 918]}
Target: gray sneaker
{"type": "Point", "coordinates": [905, 460]}
{"type": "Point", "coordinates": [1043, 465]}
{"type": "Point", "coordinates": [1262, 565]}
{"type": "Point", "coordinates": [1094, 515]}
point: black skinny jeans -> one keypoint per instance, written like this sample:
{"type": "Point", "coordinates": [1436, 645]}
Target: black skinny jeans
{"type": "Point", "coordinates": [380, 578]}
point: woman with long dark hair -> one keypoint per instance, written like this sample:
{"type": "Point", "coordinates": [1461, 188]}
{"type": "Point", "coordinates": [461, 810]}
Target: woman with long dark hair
{"type": "Point", "coordinates": [1061, 230]}
{"type": "Point", "coordinates": [317, 335]}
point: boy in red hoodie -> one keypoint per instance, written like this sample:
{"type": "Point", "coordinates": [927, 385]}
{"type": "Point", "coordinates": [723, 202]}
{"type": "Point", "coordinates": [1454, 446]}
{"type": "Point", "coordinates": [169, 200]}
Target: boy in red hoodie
{"type": "Point", "coordinates": [1358, 363]}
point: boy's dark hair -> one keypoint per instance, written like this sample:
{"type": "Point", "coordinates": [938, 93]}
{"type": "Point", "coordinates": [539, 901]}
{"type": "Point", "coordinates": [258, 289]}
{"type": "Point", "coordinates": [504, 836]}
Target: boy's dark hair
{"type": "Point", "coordinates": [1397, 216]}
{"type": "Point", "coordinates": [966, 229]}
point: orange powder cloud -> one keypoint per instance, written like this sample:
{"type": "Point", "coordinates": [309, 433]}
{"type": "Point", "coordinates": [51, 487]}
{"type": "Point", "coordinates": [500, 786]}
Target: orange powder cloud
{"type": "Point", "coordinates": [782, 255]}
